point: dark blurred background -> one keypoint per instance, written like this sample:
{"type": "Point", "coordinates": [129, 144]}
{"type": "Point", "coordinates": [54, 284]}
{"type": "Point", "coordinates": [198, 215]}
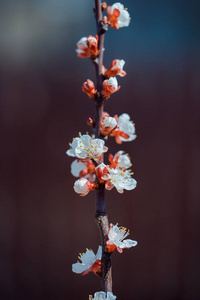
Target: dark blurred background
{"type": "Point", "coordinates": [44, 224]}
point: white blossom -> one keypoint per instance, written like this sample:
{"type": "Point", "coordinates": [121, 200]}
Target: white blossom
{"type": "Point", "coordinates": [123, 160]}
{"type": "Point", "coordinates": [87, 260]}
{"type": "Point", "coordinates": [103, 296]}
{"type": "Point", "coordinates": [116, 236]}
{"type": "Point", "coordinates": [85, 148]}
{"type": "Point", "coordinates": [124, 17]}
{"type": "Point", "coordinates": [120, 179]}
{"type": "Point", "coordinates": [126, 126]}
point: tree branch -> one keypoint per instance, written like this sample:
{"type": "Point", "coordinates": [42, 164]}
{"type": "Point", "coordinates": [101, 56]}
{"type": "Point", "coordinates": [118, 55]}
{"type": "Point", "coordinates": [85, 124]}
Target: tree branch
{"type": "Point", "coordinates": [100, 212]}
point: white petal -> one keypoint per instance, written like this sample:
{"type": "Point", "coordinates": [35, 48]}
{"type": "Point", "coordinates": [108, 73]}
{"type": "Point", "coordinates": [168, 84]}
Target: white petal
{"type": "Point", "coordinates": [77, 167]}
{"type": "Point", "coordinates": [88, 257]}
{"type": "Point", "coordinates": [110, 296]}
{"type": "Point", "coordinates": [124, 18]}
{"type": "Point", "coordinates": [71, 152]}
{"type": "Point", "coordinates": [79, 268]}
{"type": "Point", "coordinates": [82, 41]}
{"type": "Point", "coordinates": [79, 51]}
{"type": "Point", "coordinates": [124, 161]}
{"type": "Point", "coordinates": [113, 81]}
{"type": "Point", "coordinates": [110, 122]}
{"type": "Point", "coordinates": [118, 6]}
{"type": "Point", "coordinates": [120, 64]}
{"type": "Point", "coordinates": [106, 177]}
{"type": "Point", "coordinates": [128, 244]}
{"type": "Point", "coordinates": [86, 139]}
{"type": "Point", "coordinates": [100, 296]}
{"type": "Point", "coordinates": [99, 253]}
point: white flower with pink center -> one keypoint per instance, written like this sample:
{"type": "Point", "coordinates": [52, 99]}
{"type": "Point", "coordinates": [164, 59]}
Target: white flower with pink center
{"type": "Point", "coordinates": [85, 148]}
{"type": "Point", "coordinates": [120, 179]}
{"type": "Point", "coordinates": [126, 126]}
{"type": "Point", "coordinates": [89, 262]}
{"type": "Point", "coordinates": [116, 236]}
{"type": "Point", "coordinates": [123, 20]}
{"type": "Point", "coordinates": [123, 160]}
{"type": "Point", "coordinates": [103, 296]}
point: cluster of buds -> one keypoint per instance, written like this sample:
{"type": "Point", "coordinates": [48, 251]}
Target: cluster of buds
{"type": "Point", "coordinates": [122, 128]}
{"type": "Point", "coordinates": [110, 83]}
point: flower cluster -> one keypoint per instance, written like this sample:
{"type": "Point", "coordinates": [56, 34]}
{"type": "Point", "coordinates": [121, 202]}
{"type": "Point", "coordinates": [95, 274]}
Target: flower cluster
{"type": "Point", "coordinates": [122, 128]}
{"type": "Point", "coordinates": [89, 150]}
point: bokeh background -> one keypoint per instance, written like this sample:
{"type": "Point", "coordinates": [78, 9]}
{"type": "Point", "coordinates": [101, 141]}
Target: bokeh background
{"type": "Point", "coordinates": [44, 224]}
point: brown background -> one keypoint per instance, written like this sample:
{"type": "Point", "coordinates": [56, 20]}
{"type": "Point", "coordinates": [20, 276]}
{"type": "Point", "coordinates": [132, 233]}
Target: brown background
{"type": "Point", "coordinates": [44, 224]}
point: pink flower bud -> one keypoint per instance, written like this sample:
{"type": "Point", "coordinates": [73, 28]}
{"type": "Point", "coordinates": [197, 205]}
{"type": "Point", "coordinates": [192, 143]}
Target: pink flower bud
{"type": "Point", "coordinates": [118, 16]}
{"type": "Point", "coordinates": [89, 88]}
{"type": "Point", "coordinates": [87, 47]}
{"type": "Point", "coordinates": [82, 186]}
{"type": "Point", "coordinates": [110, 86]}
{"type": "Point", "coordinates": [92, 43]}
{"type": "Point", "coordinates": [116, 68]}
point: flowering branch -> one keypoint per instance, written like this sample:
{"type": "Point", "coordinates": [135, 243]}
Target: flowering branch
{"type": "Point", "coordinates": [89, 150]}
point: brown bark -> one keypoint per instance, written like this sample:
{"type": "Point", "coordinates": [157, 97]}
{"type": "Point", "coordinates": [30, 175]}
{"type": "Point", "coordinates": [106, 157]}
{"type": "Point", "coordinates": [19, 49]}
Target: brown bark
{"type": "Point", "coordinates": [100, 212]}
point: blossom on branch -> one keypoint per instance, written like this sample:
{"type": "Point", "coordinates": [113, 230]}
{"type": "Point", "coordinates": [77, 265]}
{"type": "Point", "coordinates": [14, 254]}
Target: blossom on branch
{"type": "Point", "coordinates": [125, 131]}
{"type": "Point", "coordinates": [116, 236]}
{"type": "Point", "coordinates": [120, 179]}
{"type": "Point", "coordinates": [118, 16]}
{"type": "Point", "coordinates": [89, 88]}
{"type": "Point", "coordinates": [83, 186]}
{"type": "Point", "coordinates": [100, 171]}
{"type": "Point", "coordinates": [110, 86]}
{"type": "Point", "coordinates": [107, 125]}
{"type": "Point", "coordinates": [85, 148]}
{"type": "Point", "coordinates": [89, 262]}
{"type": "Point", "coordinates": [115, 69]}
{"type": "Point", "coordinates": [121, 159]}
{"type": "Point", "coordinates": [87, 47]}
{"type": "Point", "coordinates": [103, 296]}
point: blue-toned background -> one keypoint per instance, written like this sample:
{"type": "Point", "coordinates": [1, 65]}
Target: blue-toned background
{"type": "Point", "coordinates": [44, 224]}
